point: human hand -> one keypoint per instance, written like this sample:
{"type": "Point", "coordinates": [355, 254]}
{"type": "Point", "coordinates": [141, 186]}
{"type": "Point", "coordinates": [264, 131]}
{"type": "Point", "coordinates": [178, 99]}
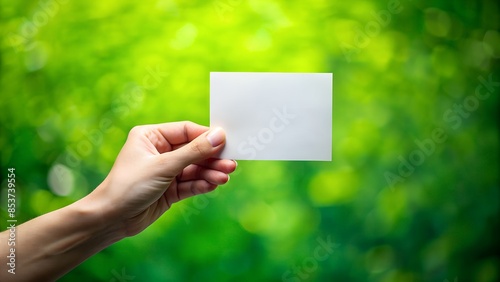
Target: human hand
{"type": "Point", "coordinates": [158, 166]}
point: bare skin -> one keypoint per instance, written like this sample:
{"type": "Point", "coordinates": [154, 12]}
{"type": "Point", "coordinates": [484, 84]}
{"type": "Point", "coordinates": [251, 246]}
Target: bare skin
{"type": "Point", "coordinates": [158, 166]}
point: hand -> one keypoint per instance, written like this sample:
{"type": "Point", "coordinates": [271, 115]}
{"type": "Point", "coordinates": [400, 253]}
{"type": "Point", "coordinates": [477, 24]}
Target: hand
{"type": "Point", "coordinates": [158, 166]}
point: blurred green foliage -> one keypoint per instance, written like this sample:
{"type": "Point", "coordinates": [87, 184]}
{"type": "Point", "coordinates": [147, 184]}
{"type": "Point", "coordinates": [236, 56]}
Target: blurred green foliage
{"type": "Point", "coordinates": [75, 76]}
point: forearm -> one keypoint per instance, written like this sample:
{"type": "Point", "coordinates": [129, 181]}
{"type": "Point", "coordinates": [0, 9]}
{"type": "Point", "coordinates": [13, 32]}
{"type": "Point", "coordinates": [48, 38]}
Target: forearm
{"type": "Point", "coordinates": [49, 246]}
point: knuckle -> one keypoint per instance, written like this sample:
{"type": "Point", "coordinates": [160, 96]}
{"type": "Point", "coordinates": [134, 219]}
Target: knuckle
{"type": "Point", "coordinates": [198, 148]}
{"type": "Point", "coordinates": [136, 130]}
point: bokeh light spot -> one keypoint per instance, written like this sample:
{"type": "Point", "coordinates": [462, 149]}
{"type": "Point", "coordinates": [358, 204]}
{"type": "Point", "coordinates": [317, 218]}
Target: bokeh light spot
{"type": "Point", "coordinates": [334, 187]}
{"type": "Point", "coordinates": [61, 179]}
{"type": "Point", "coordinates": [437, 22]}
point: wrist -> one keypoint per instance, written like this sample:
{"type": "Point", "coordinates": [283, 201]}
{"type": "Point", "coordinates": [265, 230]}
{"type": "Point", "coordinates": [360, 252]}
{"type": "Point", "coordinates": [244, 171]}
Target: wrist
{"type": "Point", "coordinates": [96, 212]}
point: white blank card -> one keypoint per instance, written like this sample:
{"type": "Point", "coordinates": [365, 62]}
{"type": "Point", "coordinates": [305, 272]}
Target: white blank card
{"type": "Point", "coordinates": [273, 116]}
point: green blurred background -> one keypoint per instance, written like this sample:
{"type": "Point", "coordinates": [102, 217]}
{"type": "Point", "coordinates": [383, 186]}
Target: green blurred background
{"type": "Point", "coordinates": [76, 76]}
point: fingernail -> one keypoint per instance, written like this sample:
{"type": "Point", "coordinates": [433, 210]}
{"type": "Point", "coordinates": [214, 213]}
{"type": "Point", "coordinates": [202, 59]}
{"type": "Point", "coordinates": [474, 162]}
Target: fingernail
{"type": "Point", "coordinates": [236, 163]}
{"type": "Point", "coordinates": [216, 137]}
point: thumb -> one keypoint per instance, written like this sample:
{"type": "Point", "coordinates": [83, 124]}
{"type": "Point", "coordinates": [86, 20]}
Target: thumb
{"type": "Point", "coordinates": [202, 147]}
